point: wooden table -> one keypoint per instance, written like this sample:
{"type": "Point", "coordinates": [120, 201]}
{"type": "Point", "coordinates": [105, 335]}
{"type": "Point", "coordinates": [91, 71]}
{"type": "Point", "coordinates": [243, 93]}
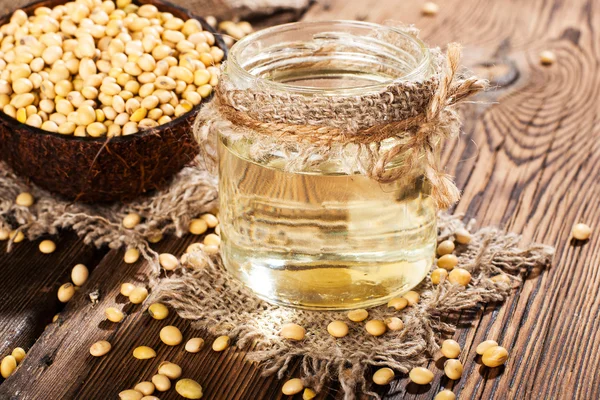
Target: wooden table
{"type": "Point", "coordinates": [529, 160]}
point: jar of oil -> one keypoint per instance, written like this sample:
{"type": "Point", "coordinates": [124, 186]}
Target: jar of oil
{"type": "Point", "coordinates": [326, 236]}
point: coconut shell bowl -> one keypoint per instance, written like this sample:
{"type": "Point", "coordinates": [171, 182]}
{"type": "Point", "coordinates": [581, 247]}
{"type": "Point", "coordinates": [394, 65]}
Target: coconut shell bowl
{"type": "Point", "coordinates": [102, 169]}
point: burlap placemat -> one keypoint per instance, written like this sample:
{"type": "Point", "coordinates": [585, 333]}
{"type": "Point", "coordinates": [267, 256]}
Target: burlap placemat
{"type": "Point", "coordinates": [203, 292]}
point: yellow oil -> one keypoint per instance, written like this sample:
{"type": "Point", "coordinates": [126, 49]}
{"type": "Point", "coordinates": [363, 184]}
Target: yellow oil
{"type": "Point", "coordinates": [322, 240]}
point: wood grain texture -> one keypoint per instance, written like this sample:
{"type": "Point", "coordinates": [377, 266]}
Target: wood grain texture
{"type": "Point", "coordinates": [529, 160]}
{"type": "Point", "coordinates": [30, 281]}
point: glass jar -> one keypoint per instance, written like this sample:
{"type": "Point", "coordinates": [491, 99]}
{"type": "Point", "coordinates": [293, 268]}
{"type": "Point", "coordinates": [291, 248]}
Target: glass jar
{"type": "Point", "coordinates": [328, 236]}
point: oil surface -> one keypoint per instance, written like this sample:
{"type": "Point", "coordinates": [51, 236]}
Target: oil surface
{"type": "Point", "coordinates": [323, 241]}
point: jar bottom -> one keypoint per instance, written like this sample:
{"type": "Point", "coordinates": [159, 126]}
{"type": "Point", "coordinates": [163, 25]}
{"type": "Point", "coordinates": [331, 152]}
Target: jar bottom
{"type": "Point", "coordinates": [299, 281]}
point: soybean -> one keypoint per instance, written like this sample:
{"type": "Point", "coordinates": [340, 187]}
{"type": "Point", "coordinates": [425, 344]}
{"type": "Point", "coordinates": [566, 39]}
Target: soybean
{"type": "Point", "coordinates": [189, 389]}
{"type": "Point", "coordinates": [146, 388]}
{"type": "Point", "coordinates": [383, 376]}
{"type": "Point", "coordinates": [24, 199]}
{"type": "Point", "coordinates": [445, 247]}
{"type": "Point", "coordinates": [394, 323]}
{"type": "Point", "coordinates": [194, 345]}
{"type": "Point", "coordinates": [131, 255]}
{"type": "Point", "coordinates": [158, 311]}
{"type": "Point", "coordinates": [100, 348]}
{"type": "Point", "coordinates": [547, 57]}
{"type": "Point", "coordinates": [438, 275]}
{"type": "Point", "coordinates": [130, 394]}
{"type": "Point", "coordinates": [581, 231]}
{"type": "Point", "coordinates": [47, 246]}
{"type": "Point", "coordinates": [376, 327]}
{"type": "Point", "coordinates": [168, 261]}
{"type": "Point", "coordinates": [114, 315]}
{"type": "Point", "coordinates": [155, 238]}
{"type": "Point", "coordinates": [412, 297]}
{"type": "Point", "coordinates": [19, 354]}
{"type": "Point", "coordinates": [501, 278]}
{"type": "Point", "coordinates": [194, 248]}
{"type": "Point", "coordinates": [198, 226]}
{"type": "Point", "coordinates": [221, 343]}
{"type": "Point", "coordinates": [161, 383]}
{"type": "Point", "coordinates": [453, 369]}
{"type": "Point", "coordinates": [8, 366]}
{"type": "Point", "coordinates": [66, 292]}
{"type": "Point", "coordinates": [210, 219]}
{"type": "Point", "coordinates": [212, 240]}
{"type": "Point", "coordinates": [430, 9]}
{"type": "Point", "coordinates": [16, 236]}
{"type": "Point", "coordinates": [448, 262]}
{"type": "Point", "coordinates": [79, 274]}
{"type": "Point", "coordinates": [337, 329]}
{"type": "Point", "coordinates": [450, 348]}
{"type": "Point", "coordinates": [171, 335]}
{"type": "Point", "coordinates": [460, 276]}
{"type": "Point", "coordinates": [462, 236]}
{"type": "Point", "coordinates": [420, 375]}
{"type": "Point", "coordinates": [293, 386]}
{"type": "Point", "coordinates": [127, 288]}
{"type": "Point", "coordinates": [138, 295]}
{"type": "Point", "coordinates": [399, 303]}
{"type": "Point", "coordinates": [131, 220]}
{"type": "Point", "coordinates": [494, 356]}
{"type": "Point", "coordinates": [170, 370]}
{"type": "Point", "coordinates": [358, 315]}
{"type": "Point", "coordinates": [293, 331]}
{"type": "Point", "coordinates": [445, 395]}
{"type": "Point", "coordinates": [144, 353]}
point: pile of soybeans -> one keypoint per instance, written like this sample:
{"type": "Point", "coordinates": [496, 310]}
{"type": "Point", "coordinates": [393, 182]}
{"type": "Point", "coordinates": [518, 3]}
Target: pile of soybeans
{"type": "Point", "coordinates": [104, 68]}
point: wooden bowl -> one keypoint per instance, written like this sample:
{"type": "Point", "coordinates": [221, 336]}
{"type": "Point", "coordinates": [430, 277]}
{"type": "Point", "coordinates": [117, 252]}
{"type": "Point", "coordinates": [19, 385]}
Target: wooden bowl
{"type": "Point", "coordinates": [97, 169]}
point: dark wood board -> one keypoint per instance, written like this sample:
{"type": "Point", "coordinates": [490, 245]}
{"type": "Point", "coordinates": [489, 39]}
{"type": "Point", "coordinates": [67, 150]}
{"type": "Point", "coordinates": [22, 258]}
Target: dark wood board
{"type": "Point", "coordinates": [529, 160]}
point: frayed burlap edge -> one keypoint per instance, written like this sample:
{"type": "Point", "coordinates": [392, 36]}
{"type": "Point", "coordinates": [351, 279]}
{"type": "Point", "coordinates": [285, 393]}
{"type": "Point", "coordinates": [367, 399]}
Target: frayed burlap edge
{"type": "Point", "coordinates": [204, 293]}
{"type": "Point", "coordinates": [192, 192]}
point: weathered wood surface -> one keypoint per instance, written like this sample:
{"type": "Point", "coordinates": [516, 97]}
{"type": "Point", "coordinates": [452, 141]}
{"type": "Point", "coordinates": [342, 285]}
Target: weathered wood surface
{"type": "Point", "coordinates": [529, 160]}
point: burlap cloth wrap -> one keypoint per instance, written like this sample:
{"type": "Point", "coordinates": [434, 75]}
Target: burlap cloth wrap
{"type": "Point", "coordinates": [407, 120]}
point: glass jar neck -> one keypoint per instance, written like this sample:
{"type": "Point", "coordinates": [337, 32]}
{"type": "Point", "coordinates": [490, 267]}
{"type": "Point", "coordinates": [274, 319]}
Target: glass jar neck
{"type": "Point", "coordinates": [327, 58]}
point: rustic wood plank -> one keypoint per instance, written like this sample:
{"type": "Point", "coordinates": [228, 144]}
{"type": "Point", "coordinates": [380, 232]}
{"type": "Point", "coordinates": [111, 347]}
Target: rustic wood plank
{"type": "Point", "coordinates": [29, 284]}
{"type": "Point", "coordinates": [59, 366]}
{"type": "Point", "coordinates": [531, 163]}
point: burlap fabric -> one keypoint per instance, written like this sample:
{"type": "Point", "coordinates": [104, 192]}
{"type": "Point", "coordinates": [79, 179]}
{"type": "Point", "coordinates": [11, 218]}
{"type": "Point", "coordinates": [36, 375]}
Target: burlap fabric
{"type": "Point", "coordinates": [204, 293]}
{"type": "Point", "coordinates": [191, 193]}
